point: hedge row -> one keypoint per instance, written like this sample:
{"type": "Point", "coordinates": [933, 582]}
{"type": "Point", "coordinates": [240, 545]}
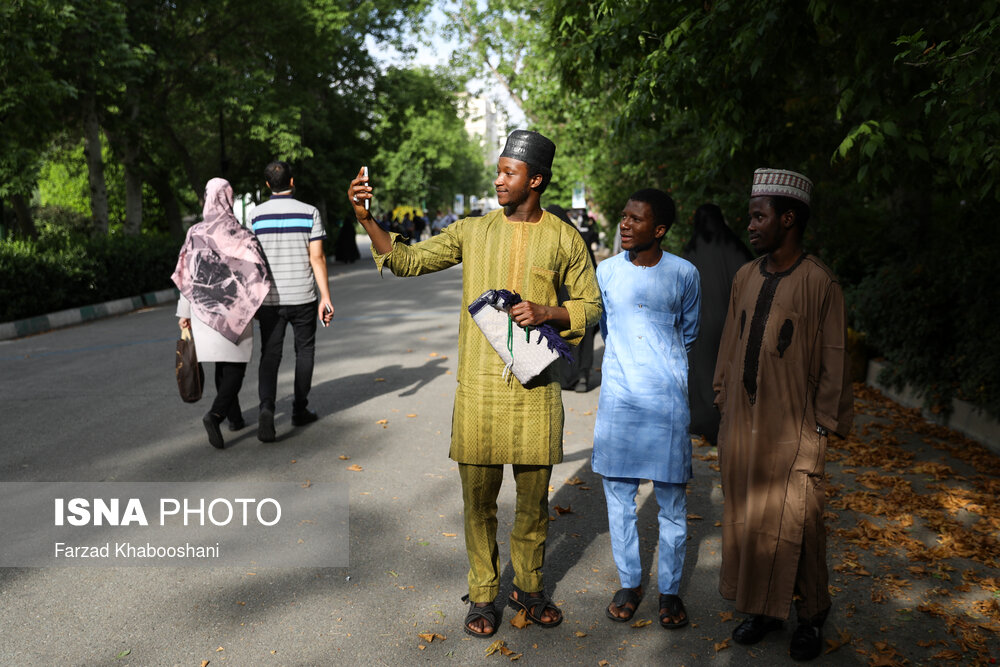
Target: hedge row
{"type": "Point", "coordinates": [56, 274]}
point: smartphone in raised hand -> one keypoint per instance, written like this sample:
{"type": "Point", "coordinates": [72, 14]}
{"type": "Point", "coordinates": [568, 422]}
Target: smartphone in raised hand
{"type": "Point", "coordinates": [364, 175]}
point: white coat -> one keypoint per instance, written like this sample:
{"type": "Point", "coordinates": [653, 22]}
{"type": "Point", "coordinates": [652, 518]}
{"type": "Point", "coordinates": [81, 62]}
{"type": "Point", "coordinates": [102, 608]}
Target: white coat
{"type": "Point", "coordinates": [210, 345]}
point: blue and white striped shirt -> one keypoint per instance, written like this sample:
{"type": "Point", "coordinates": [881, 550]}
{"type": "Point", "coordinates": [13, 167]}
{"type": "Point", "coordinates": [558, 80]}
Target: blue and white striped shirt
{"type": "Point", "coordinates": [285, 227]}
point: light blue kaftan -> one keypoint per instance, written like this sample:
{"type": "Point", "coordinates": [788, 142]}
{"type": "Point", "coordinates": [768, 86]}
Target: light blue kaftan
{"type": "Point", "coordinates": [649, 322]}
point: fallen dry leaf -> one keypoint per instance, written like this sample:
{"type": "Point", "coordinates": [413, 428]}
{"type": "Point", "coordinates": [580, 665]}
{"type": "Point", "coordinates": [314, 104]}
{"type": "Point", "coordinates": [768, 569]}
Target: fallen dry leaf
{"type": "Point", "coordinates": [355, 467]}
{"type": "Point", "coordinates": [520, 620]}
{"type": "Point", "coordinates": [450, 534]}
{"type": "Point", "coordinates": [380, 379]}
{"type": "Point", "coordinates": [603, 663]}
{"type": "Point", "coordinates": [578, 633]}
{"type": "Point", "coordinates": [843, 637]}
{"type": "Point", "coordinates": [204, 663]}
{"type": "Point", "coordinates": [382, 421]}
{"type": "Point", "coordinates": [307, 484]}
{"type": "Point", "coordinates": [412, 415]}
{"type": "Point", "coordinates": [725, 616]}
{"type": "Point", "coordinates": [344, 457]}
{"type": "Point", "coordinates": [494, 647]}
{"type": "Point", "coordinates": [429, 637]}
{"type": "Point", "coordinates": [574, 481]}
{"type": "Point", "coordinates": [643, 623]}
{"type": "Point", "coordinates": [721, 646]}
{"type": "Point", "coordinates": [563, 510]}
{"type": "Point", "coordinates": [694, 517]}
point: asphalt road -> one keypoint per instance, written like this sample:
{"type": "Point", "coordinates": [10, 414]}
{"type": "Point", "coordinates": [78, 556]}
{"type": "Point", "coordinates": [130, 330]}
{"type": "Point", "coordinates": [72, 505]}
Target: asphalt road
{"type": "Point", "coordinates": [98, 402]}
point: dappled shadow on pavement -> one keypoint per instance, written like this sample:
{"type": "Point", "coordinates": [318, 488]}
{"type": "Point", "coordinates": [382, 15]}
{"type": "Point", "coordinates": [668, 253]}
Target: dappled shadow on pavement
{"type": "Point", "coordinates": [913, 539]}
{"type": "Point", "coordinates": [912, 522]}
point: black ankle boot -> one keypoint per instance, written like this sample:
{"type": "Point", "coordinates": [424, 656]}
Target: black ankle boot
{"type": "Point", "coordinates": [753, 629]}
{"type": "Point", "coordinates": [807, 642]}
{"type": "Point", "coordinates": [211, 423]}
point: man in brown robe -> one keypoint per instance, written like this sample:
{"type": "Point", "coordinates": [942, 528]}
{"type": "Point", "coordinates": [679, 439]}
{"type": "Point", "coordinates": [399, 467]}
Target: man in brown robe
{"type": "Point", "coordinates": [781, 384]}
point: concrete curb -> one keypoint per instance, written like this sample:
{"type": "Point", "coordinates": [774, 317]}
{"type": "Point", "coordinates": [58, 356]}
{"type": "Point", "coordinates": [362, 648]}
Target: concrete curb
{"type": "Point", "coordinates": [965, 418]}
{"type": "Point", "coordinates": [72, 316]}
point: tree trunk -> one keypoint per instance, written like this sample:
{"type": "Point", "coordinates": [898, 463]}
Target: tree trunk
{"type": "Point", "coordinates": [133, 199]}
{"type": "Point", "coordinates": [25, 223]}
{"type": "Point", "coordinates": [321, 207]}
{"type": "Point", "coordinates": [194, 180]}
{"type": "Point", "coordinates": [95, 165]}
{"type": "Point", "coordinates": [131, 162]}
{"type": "Point", "coordinates": [165, 193]}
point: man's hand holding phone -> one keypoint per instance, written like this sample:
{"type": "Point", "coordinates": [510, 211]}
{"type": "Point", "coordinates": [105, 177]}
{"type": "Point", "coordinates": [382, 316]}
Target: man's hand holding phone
{"type": "Point", "coordinates": [325, 312]}
{"type": "Point", "coordinates": [364, 175]}
{"type": "Point", "coordinates": [360, 193]}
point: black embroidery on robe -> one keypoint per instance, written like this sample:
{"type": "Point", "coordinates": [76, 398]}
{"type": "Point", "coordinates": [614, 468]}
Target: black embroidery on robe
{"type": "Point", "coordinates": [785, 337]}
{"type": "Point", "coordinates": [758, 324]}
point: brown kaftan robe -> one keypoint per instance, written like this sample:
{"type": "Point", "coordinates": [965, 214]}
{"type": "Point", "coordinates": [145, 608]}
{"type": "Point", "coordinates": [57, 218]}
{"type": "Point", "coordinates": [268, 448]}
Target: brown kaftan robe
{"type": "Point", "coordinates": [782, 371]}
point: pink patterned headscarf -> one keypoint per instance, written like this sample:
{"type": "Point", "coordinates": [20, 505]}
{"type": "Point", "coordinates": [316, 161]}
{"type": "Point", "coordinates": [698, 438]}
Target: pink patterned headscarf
{"type": "Point", "coordinates": [221, 268]}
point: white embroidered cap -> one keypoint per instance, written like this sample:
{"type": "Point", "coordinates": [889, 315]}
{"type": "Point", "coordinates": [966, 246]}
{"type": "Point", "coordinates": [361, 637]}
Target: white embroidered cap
{"type": "Point", "coordinates": [781, 183]}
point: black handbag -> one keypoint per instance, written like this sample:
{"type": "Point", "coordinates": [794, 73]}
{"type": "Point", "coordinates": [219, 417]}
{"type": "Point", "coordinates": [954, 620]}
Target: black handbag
{"type": "Point", "coordinates": [190, 374]}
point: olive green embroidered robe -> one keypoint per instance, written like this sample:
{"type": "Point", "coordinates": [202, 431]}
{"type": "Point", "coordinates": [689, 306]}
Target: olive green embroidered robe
{"type": "Point", "coordinates": [499, 421]}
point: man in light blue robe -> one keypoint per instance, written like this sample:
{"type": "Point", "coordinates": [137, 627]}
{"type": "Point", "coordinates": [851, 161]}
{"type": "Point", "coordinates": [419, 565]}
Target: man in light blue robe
{"type": "Point", "coordinates": [652, 301]}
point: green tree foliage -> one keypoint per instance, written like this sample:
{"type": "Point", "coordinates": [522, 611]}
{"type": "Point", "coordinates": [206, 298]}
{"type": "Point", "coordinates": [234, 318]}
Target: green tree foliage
{"type": "Point", "coordinates": [424, 155]}
{"type": "Point", "coordinates": [508, 41]}
{"type": "Point", "coordinates": [890, 107]}
{"type": "Point", "coordinates": [186, 91]}
{"type": "Point", "coordinates": [30, 91]}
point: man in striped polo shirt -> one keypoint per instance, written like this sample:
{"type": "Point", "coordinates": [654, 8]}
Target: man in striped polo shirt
{"type": "Point", "coordinates": [291, 233]}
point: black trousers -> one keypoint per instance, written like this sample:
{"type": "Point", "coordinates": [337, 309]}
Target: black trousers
{"type": "Point", "coordinates": [228, 381]}
{"type": "Point", "coordinates": [273, 322]}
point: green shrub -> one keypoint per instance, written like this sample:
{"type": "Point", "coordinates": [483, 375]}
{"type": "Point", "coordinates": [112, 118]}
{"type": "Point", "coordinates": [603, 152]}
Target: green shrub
{"type": "Point", "coordinates": [934, 316]}
{"type": "Point", "coordinates": [67, 270]}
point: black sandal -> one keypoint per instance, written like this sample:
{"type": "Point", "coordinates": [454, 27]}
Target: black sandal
{"type": "Point", "coordinates": [529, 602]}
{"type": "Point", "coordinates": [488, 613]}
{"type": "Point", "coordinates": [672, 606]}
{"type": "Point", "coordinates": [623, 596]}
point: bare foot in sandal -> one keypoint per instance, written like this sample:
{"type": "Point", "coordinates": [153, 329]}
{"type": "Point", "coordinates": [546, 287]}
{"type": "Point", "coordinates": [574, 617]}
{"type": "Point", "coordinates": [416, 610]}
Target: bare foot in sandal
{"type": "Point", "coordinates": [481, 621]}
{"type": "Point", "coordinates": [550, 614]}
{"type": "Point", "coordinates": [672, 612]}
{"type": "Point", "coordinates": [624, 604]}
{"type": "Point", "coordinates": [481, 626]}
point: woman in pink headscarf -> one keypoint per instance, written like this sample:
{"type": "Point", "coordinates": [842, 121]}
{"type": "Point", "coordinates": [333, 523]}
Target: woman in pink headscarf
{"type": "Point", "coordinates": [222, 276]}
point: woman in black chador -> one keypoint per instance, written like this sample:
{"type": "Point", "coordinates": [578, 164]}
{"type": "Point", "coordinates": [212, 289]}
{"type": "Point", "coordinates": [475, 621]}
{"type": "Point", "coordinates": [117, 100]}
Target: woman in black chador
{"type": "Point", "coordinates": [717, 253]}
{"type": "Point", "coordinates": [346, 248]}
